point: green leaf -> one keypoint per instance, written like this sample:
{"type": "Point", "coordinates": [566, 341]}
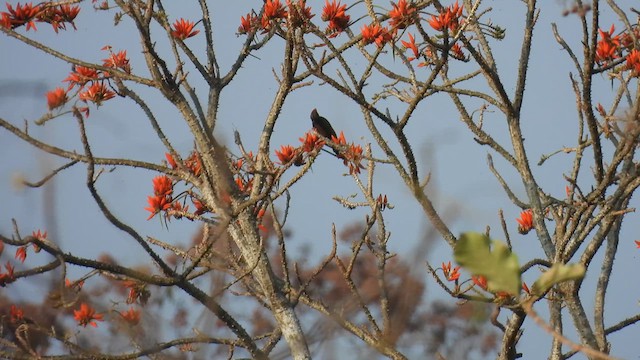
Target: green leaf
{"type": "Point", "coordinates": [499, 265]}
{"type": "Point", "coordinates": [557, 274]}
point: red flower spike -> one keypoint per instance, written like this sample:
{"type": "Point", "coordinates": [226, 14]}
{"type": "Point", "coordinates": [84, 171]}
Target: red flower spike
{"type": "Point", "coordinates": [335, 14]}
{"type": "Point", "coordinates": [118, 60]}
{"type": "Point", "coordinates": [171, 160]}
{"type": "Point", "coordinates": [183, 29]}
{"type": "Point", "coordinates": [402, 15]}
{"type": "Point", "coordinates": [449, 19]}
{"type": "Point", "coordinates": [86, 315]}
{"type": "Point", "coordinates": [131, 316]}
{"type": "Point", "coordinates": [480, 281]}
{"type": "Point", "coordinates": [248, 23]}
{"type": "Point", "coordinates": [525, 222]}
{"type": "Point", "coordinates": [81, 75]}
{"type": "Point", "coordinates": [411, 44]}
{"type": "Point", "coordinates": [97, 93]}
{"type": "Point", "coordinates": [157, 204]}
{"type": "Point", "coordinates": [58, 16]}
{"type": "Point", "coordinates": [273, 11]}
{"type": "Point", "coordinates": [637, 243]}
{"type": "Point", "coordinates": [311, 142]}
{"type": "Point", "coordinates": [375, 33]}
{"type": "Point", "coordinates": [56, 98]}
{"type": "Point", "coordinates": [21, 15]}
{"type": "Point", "coordinates": [286, 154]}
{"type": "Point", "coordinates": [607, 47]}
{"type": "Point", "coordinates": [21, 253]}
{"type": "Point", "coordinates": [448, 274]}
{"type": "Point", "coordinates": [162, 186]}
{"type": "Point", "coordinates": [633, 62]}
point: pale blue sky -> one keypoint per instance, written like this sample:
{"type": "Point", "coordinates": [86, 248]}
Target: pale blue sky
{"type": "Point", "coordinates": [460, 177]}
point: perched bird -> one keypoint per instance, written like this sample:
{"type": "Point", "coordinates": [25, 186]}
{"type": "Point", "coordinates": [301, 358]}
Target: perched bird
{"type": "Point", "coordinates": [322, 125]}
{"type": "Point", "coordinates": [324, 128]}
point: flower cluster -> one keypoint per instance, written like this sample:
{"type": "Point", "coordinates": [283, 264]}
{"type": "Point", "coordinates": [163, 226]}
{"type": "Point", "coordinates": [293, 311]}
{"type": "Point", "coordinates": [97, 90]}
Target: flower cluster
{"type": "Point", "coordinates": [28, 14]}
{"type": "Point", "coordinates": [450, 275]}
{"type": "Point", "coordinates": [375, 33]}
{"type": "Point", "coordinates": [448, 18]}
{"type": "Point", "coordinates": [335, 14]}
{"type": "Point", "coordinates": [622, 46]}
{"type": "Point", "coordinates": [87, 315]}
{"type": "Point", "coordinates": [402, 15]}
{"type": "Point", "coordinates": [183, 29]}
{"type": "Point", "coordinates": [274, 15]}
{"type": "Point", "coordinates": [608, 47]}
{"type": "Point", "coordinates": [525, 222]}
{"type": "Point", "coordinates": [117, 60]}
{"type": "Point", "coordinates": [352, 155]}
{"type": "Point", "coordinates": [131, 316]}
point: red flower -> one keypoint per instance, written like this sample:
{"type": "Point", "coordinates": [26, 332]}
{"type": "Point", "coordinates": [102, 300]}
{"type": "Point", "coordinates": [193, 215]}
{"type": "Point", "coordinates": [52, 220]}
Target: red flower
{"type": "Point", "coordinates": [81, 75]}
{"type": "Point", "coordinates": [244, 185]}
{"type": "Point", "coordinates": [157, 204]}
{"type": "Point", "coordinates": [637, 243]}
{"type": "Point", "coordinates": [340, 140]}
{"type": "Point", "coordinates": [375, 33]}
{"type": "Point", "coordinates": [448, 274]}
{"type": "Point", "coordinates": [311, 142]}
{"type": "Point", "coordinates": [21, 253]}
{"type": "Point", "coordinates": [162, 186]}
{"type": "Point", "coordinates": [200, 208]}
{"type": "Point", "coordinates": [97, 93]}
{"type": "Point", "coordinates": [22, 14]}
{"type": "Point", "coordinates": [171, 160]}
{"type": "Point", "coordinates": [335, 14]}
{"type": "Point", "coordinates": [633, 62]}
{"type": "Point", "coordinates": [525, 222]}
{"type": "Point", "coordinates": [183, 29]}
{"type": "Point", "coordinates": [402, 15]}
{"type": "Point", "coordinates": [86, 316]}
{"type": "Point", "coordinates": [40, 236]}
{"type": "Point", "coordinates": [16, 313]}
{"type": "Point", "coordinates": [450, 18]}
{"type": "Point", "coordinates": [480, 281]}
{"type": "Point", "coordinates": [131, 316]}
{"type": "Point", "coordinates": [273, 11]}
{"type": "Point", "coordinates": [194, 164]}
{"type": "Point", "coordinates": [118, 60]}
{"type": "Point", "coordinates": [456, 51]}
{"type": "Point", "coordinates": [608, 46]}
{"type": "Point", "coordinates": [286, 154]}
{"type": "Point", "coordinates": [57, 16]}
{"type": "Point", "coordinates": [411, 44]}
{"type": "Point", "coordinates": [248, 23]}
{"type": "Point", "coordinates": [56, 98]}
{"type": "Point", "coordinates": [352, 156]}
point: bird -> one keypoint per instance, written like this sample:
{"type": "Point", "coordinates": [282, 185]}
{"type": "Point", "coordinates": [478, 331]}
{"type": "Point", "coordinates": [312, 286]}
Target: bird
{"type": "Point", "coordinates": [322, 125]}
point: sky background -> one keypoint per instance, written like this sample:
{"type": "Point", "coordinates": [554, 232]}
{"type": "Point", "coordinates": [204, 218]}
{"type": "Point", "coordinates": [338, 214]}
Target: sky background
{"type": "Point", "coordinates": [461, 184]}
